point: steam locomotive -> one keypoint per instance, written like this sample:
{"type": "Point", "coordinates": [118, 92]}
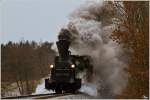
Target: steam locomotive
{"type": "Point", "coordinates": [63, 77]}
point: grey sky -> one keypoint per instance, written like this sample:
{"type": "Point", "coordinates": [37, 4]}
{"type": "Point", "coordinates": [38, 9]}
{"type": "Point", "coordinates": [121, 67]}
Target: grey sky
{"type": "Point", "coordinates": [35, 19]}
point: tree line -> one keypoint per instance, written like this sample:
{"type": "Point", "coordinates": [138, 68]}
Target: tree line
{"type": "Point", "coordinates": [23, 62]}
{"type": "Point", "coordinates": [133, 33]}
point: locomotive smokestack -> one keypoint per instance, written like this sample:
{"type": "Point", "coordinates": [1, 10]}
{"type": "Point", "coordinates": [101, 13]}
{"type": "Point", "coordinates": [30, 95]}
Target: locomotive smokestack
{"type": "Point", "coordinates": [63, 44]}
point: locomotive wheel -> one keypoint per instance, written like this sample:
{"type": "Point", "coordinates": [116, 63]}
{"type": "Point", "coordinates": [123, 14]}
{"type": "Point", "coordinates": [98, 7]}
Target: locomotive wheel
{"type": "Point", "coordinates": [70, 91]}
{"type": "Point", "coordinates": [58, 91]}
{"type": "Point", "coordinates": [73, 91]}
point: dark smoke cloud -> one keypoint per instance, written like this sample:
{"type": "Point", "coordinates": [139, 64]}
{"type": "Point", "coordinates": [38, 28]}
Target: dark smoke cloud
{"type": "Point", "coordinates": [90, 27]}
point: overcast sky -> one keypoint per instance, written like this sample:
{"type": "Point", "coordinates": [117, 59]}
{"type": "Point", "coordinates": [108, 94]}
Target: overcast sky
{"type": "Point", "coordinates": [34, 19]}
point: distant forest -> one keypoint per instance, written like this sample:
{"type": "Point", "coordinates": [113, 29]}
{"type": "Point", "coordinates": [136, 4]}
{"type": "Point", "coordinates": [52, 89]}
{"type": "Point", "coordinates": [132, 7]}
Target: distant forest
{"type": "Point", "coordinates": [25, 61]}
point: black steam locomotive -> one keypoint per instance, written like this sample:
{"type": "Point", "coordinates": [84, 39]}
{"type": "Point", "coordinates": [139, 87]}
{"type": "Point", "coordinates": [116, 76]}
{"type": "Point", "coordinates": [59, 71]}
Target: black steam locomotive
{"type": "Point", "coordinates": [63, 72]}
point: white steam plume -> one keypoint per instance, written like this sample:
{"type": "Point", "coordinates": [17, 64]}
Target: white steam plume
{"type": "Point", "coordinates": [92, 38]}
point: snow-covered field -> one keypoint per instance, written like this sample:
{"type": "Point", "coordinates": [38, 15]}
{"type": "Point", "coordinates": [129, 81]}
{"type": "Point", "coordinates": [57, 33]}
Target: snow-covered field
{"type": "Point", "coordinates": [41, 88]}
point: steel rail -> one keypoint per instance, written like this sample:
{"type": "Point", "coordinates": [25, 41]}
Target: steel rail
{"type": "Point", "coordinates": [45, 96]}
{"type": "Point", "coordinates": [40, 96]}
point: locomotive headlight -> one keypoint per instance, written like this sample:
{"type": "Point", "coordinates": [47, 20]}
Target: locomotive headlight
{"type": "Point", "coordinates": [72, 66]}
{"type": "Point", "coordinates": [51, 66]}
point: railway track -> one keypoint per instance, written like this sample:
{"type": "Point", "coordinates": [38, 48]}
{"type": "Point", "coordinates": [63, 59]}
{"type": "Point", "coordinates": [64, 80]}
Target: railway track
{"type": "Point", "coordinates": [38, 96]}
{"type": "Point", "coordinates": [51, 95]}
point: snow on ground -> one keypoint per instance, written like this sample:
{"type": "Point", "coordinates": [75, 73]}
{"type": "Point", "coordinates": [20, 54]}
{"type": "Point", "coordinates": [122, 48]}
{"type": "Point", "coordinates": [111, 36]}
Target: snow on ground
{"type": "Point", "coordinates": [41, 88]}
{"type": "Point", "coordinates": [145, 97]}
{"type": "Point", "coordinates": [89, 89]}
